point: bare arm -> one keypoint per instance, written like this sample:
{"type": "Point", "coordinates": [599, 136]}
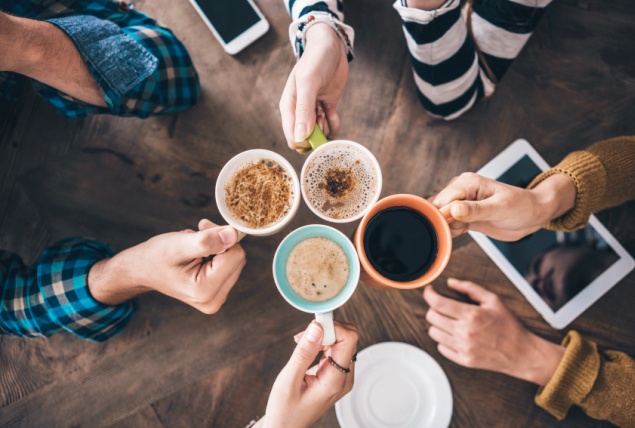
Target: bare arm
{"type": "Point", "coordinates": [43, 52]}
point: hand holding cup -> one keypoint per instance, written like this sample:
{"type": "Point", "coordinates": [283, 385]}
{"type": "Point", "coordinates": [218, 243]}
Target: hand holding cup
{"type": "Point", "coordinates": [302, 394]}
{"type": "Point", "coordinates": [176, 264]}
{"type": "Point", "coordinates": [502, 211]}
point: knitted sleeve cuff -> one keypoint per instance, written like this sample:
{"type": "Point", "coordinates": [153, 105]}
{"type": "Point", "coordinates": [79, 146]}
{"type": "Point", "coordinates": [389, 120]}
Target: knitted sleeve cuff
{"type": "Point", "coordinates": [574, 377]}
{"type": "Point", "coordinates": [590, 178]}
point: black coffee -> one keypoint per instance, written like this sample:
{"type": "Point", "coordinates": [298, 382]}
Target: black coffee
{"type": "Point", "coordinates": [400, 243]}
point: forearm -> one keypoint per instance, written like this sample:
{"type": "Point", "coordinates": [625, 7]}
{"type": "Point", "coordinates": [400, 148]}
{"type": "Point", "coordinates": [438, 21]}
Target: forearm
{"type": "Point", "coordinates": [541, 359]}
{"type": "Point", "coordinates": [43, 52]}
{"type": "Point", "coordinates": [111, 280]}
{"type": "Point", "coordinates": [556, 196]}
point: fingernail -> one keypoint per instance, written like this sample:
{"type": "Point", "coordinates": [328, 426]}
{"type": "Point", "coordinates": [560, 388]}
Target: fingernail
{"type": "Point", "coordinates": [460, 210]}
{"type": "Point", "coordinates": [227, 235]}
{"type": "Point", "coordinates": [452, 281]}
{"type": "Point", "coordinates": [313, 333]}
{"type": "Point", "coordinates": [300, 132]}
{"type": "Point", "coordinates": [298, 336]}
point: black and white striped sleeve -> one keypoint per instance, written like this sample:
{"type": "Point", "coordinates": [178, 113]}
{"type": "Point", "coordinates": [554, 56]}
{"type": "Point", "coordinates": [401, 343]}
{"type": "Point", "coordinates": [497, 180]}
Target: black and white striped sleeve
{"type": "Point", "coordinates": [305, 13]}
{"type": "Point", "coordinates": [501, 28]}
{"type": "Point", "coordinates": [449, 75]}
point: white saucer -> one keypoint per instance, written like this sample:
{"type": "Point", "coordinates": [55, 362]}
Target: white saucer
{"type": "Point", "coordinates": [396, 386]}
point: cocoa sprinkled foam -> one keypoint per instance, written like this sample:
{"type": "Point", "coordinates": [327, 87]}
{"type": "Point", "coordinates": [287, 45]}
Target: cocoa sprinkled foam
{"type": "Point", "coordinates": [340, 182]}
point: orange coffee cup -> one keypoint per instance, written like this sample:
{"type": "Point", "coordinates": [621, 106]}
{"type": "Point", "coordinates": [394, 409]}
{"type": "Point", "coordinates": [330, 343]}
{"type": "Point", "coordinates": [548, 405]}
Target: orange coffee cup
{"type": "Point", "coordinates": [370, 276]}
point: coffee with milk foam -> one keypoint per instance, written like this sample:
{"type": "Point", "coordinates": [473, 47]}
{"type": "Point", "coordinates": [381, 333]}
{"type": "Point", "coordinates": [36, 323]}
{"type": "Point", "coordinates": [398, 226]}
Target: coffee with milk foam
{"type": "Point", "coordinates": [317, 269]}
{"type": "Point", "coordinates": [259, 193]}
{"type": "Point", "coordinates": [340, 182]}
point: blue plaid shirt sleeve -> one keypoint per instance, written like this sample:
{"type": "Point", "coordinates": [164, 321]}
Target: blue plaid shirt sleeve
{"type": "Point", "coordinates": [141, 68]}
{"type": "Point", "coordinates": [54, 296]}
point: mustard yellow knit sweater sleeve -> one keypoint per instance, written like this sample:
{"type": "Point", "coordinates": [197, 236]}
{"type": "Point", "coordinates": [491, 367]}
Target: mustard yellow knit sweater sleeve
{"type": "Point", "coordinates": [601, 383]}
{"type": "Point", "coordinates": [604, 175]}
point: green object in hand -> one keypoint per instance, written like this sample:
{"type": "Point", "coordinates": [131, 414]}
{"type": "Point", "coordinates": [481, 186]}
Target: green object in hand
{"type": "Point", "coordinates": [317, 137]}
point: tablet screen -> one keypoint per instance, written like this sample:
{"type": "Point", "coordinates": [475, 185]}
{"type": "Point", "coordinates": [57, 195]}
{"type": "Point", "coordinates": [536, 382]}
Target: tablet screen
{"type": "Point", "coordinates": [557, 265]}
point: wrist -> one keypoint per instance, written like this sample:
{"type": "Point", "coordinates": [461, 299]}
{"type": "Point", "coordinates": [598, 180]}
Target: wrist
{"type": "Point", "coordinates": [322, 35]}
{"type": "Point", "coordinates": [556, 196]}
{"type": "Point", "coordinates": [541, 360]}
{"type": "Point", "coordinates": [110, 281]}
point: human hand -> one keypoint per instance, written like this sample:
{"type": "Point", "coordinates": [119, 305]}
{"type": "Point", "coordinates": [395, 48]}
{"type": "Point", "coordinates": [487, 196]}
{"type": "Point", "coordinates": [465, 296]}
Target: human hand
{"type": "Point", "coordinates": [487, 336]}
{"type": "Point", "coordinates": [301, 395]}
{"type": "Point", "coordinates": [175, 264]}
{"type": "Point", "coordinates": [316, 82]}
{"type": "Point", "coordinates": [501, 211]}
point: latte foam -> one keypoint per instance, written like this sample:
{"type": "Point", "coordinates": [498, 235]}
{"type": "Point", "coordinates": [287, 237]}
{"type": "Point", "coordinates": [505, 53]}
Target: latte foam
{"type": "Point", "coordinates": [340, 182]}
{"type": "Point", "coordinates": [317, 269]}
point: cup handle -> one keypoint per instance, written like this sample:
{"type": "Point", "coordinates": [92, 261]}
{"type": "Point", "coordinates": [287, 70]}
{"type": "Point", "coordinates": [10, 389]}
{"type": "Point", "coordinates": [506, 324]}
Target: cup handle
{"type": "Point", "coordinates": [326, 321]}
{"type": "Point", "coordinates": [317, 137]}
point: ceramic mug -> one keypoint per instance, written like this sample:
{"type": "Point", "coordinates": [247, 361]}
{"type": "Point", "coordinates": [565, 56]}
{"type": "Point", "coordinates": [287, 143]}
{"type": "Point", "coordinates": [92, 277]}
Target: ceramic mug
{"type": "Point", "coordinates": [370, 275]}
{"type": "Point", "coordinates": [226, 174]}
{"type": "Point", "coordinates": [320, 146]}
{"type": "Point", "coordinates": [323, 310]}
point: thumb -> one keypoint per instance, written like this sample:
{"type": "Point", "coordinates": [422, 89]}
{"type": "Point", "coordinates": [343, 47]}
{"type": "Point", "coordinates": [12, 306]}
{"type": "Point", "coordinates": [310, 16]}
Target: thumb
{"type": "Point", "coordinates": [304, 111]}
{"type": "Point", "coordinates": [206, 242]}
{"type": "Point", "coordinates": [471, 211]}
{"type": "Point", "coordinates": [305, 352]}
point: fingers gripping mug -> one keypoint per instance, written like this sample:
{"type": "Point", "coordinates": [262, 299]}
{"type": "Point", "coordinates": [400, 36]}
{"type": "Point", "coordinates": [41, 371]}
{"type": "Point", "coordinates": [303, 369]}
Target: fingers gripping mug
{"type": "Point", "coordinates": [316, 270]}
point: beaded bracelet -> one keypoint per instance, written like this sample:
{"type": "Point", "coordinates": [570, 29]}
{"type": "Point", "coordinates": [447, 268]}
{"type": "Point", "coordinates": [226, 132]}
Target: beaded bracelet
{"type": "Point", "coordinates": [325, 18]}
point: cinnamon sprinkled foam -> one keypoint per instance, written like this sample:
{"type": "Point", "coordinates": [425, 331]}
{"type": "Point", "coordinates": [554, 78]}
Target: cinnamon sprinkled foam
{"type": "Point", "coordinates": [340, 182]}
{"type": "Point", "coordinates": [259, 193]}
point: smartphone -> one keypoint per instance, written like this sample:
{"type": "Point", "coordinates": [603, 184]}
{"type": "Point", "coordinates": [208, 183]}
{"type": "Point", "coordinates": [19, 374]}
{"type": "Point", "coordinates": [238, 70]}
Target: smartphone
{"type": "Point", "coordinates": [235, 23]}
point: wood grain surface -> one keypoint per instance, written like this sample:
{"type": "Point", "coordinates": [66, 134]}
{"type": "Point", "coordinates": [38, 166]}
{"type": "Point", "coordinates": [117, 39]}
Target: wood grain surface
{"type": "Point", "coordinates": [123, 180]}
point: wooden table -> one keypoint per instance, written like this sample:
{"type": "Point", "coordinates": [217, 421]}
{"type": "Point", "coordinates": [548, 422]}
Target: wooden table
{"type": "Point", "coordinates": [124, 180]}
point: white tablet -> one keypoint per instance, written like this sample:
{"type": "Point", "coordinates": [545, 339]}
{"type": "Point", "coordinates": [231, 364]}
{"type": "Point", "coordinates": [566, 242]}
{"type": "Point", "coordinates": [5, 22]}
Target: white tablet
{"type": "Point", "coordinates": [560, 273]}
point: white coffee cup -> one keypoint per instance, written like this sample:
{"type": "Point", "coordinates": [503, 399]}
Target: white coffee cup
{"type": "Point", "coordinates": [320, 145]}
{"type": "Point", "coordinates": [228, 171]}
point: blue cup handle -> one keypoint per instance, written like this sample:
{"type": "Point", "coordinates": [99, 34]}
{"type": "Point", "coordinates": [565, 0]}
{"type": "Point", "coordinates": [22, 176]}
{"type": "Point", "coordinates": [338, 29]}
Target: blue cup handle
{"type": "Point", "coordinates": [326, 321]}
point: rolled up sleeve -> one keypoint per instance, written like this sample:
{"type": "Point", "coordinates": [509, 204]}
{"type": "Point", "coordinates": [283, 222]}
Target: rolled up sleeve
{"type": "Point", "coordinates": [598, 382]}
{"type": "Point", "coordinates": [141, 68]}
{"type": "Point", "coordinates": [54, 295]}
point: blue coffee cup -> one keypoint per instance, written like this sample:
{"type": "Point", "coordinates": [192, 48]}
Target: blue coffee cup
{"type": "Point", "coordinates": [323, 310]}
